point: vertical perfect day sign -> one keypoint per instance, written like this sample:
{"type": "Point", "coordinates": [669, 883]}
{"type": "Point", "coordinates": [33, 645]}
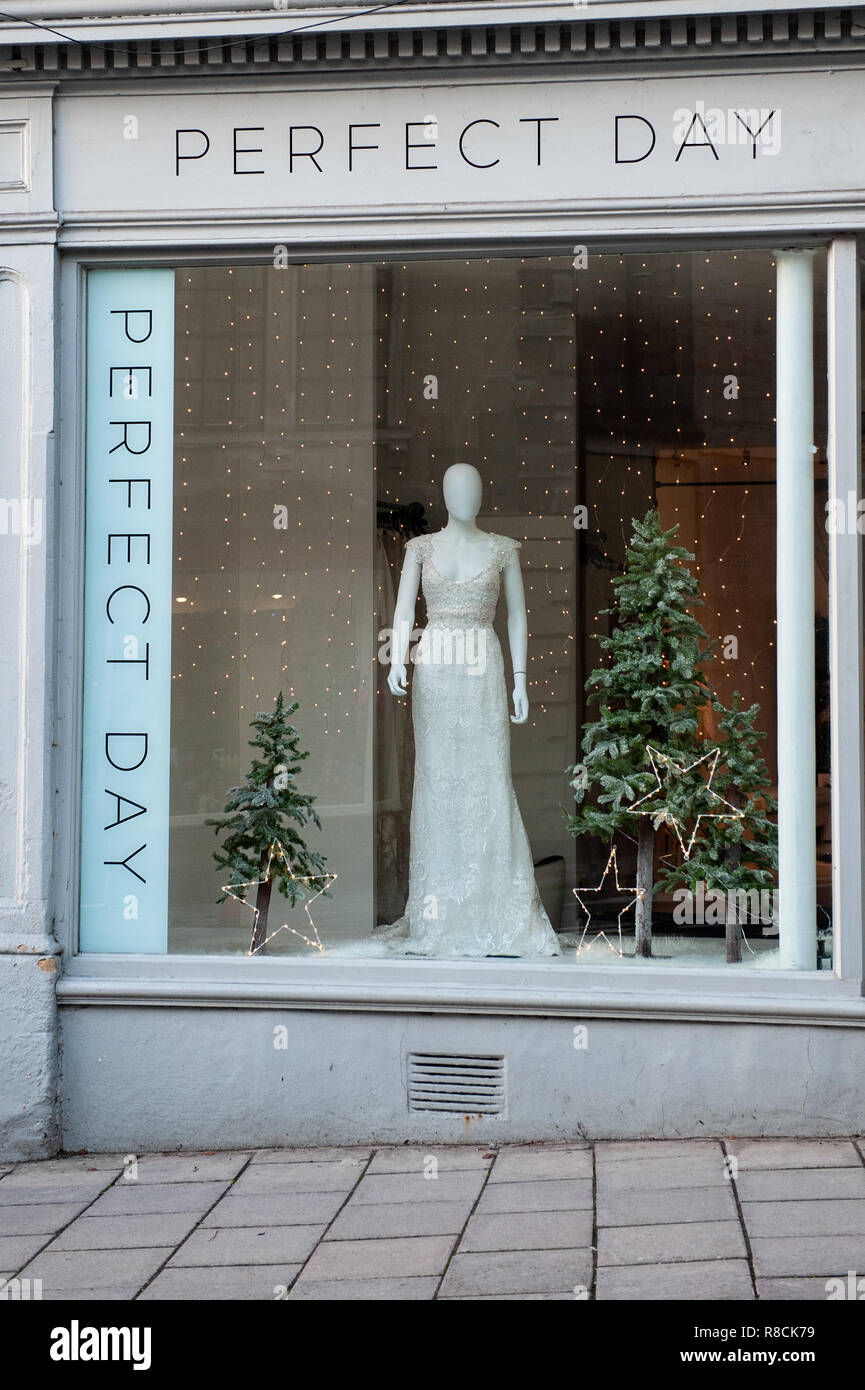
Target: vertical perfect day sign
{"type": "Point", "coordinates": [127, 611]}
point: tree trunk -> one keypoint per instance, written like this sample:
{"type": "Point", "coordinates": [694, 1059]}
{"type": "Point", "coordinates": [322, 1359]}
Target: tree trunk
{"type": "Point", "coordinates": [262, 902]}
{"type": "Point", "coordinates": [733, 858]}
{"type": "Point", "coordinates": [645, 882]}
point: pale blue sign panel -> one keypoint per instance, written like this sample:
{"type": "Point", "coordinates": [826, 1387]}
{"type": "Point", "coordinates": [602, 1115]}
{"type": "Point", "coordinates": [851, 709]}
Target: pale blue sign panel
{"type": "Point", "coordinates": [127, 611]}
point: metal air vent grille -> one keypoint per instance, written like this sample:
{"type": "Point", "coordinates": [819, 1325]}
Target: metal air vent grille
{"type": "Point", "coordinates": [458, 1084]}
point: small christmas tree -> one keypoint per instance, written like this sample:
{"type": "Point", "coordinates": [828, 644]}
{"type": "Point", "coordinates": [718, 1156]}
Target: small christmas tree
{"type": "Point", "coordinates": [649, 696]}
{"type": "Point", "coordinates": [261, 812]}
{"type": "Point", "coordinates": [742, 854]}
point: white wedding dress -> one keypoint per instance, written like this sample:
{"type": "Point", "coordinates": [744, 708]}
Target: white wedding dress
{"type": "Point", "coordinates": [472, 889]}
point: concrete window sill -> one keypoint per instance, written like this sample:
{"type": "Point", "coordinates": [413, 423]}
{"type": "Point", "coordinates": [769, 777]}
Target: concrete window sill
{"type": "Point", "coordinates": [471, 987]}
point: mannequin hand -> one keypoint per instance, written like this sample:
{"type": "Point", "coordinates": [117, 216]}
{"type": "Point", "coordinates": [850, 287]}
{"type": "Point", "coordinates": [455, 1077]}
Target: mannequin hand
{"type": "Point", "coordinates": [397, 679]}
{"type": "Point", "coordinates": [521, 701]}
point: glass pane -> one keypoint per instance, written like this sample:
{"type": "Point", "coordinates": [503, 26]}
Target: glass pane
{"type": "Point", "coordinates": [273, 572]}
{"type": "Point", "coordinates": [477, 360]}
{"type": "Point", "coordinates": [677, 362]}
{"type": "Point", "coordinates": [317, 408]}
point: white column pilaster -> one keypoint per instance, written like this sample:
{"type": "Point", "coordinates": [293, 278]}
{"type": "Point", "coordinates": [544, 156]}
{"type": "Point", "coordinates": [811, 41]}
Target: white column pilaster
{"type": "Point", "coordinates": [795, 609]}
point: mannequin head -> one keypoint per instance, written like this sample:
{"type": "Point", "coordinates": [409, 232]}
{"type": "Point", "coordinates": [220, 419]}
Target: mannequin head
{"type": "Point", "coordinates": [463, 489]}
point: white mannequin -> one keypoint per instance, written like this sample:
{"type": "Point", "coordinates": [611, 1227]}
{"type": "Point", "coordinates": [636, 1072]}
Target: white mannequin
{"type": "Point", "coordinates": [461, 552]}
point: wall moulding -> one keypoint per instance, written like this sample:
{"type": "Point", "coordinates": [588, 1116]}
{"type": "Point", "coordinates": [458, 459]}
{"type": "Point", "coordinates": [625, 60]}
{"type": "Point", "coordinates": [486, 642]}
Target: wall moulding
{"type": "Point", "coordinates": [419, 36]}
{"type": "Point", "coordinates": [843, 1013]}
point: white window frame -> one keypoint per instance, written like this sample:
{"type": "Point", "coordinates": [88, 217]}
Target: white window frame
{"type": "Point", "coordinates": [722, 992]}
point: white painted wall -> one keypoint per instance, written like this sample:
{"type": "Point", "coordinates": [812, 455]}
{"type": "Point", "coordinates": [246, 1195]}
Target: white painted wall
{"type": "Point", "coordinates": [28, 949]}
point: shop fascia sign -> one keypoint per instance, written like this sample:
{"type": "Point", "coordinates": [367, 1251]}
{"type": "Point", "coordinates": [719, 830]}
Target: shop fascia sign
{"type": "Point", "coordinates": [520, 142]}
{"type": "Point", "coordinates": [634, 140]}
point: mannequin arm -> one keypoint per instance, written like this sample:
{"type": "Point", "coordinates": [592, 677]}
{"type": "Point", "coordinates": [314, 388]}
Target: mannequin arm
{"type": "Point", "coordinates": [403, 622]}
{"type": "Point", "coordinates": [517, 636]}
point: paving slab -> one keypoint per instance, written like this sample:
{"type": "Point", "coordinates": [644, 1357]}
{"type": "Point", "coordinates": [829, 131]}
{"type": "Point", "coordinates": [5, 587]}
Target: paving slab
{"type": "Point", "coordinates": [253, 1245]}
{"type": "Point", "coordinates": [613, 1151]}
{"type": "Point", "coordinates": [545, 1146]}
{"type": "Point", "coordinates": [692, 1241]}
{"type": "Point", "coordinates": [191, 1167]}
{"type": "Point", "coordinates": [799, 1184]}
{"type": "Point", "coordinates": [667, 1206]}
{"type": "Point", "coordinates": [147, 1199]}
{"type": "Point", "coordinates": [629, 1174]}
{"type": "Point", "coordinates": [299, 1177]}
{"type": "Point", "coordinates": [72, 1163]}
{"type": "Point", "coordinates": [356, 1152]}
{"type": "Point", "coordinates": [794, 1153]}
{"type": "Point", "coordinates": [63, 1270]}
{"type": "Point", "coordinates": [63, 1193]}
{"type": "Point", "coordinates": [529, 1230]}
{"type": "Point", "coordinates": [388, 1290]}
{"type": "Point", "coordinates": [829, 1256]}
{"type": "Point", "coordinates": [806, 1289]}
{"type": "Point", "coordinates": [509, 1298]}
{"type": "Point", "coordinates": [416, 1159]}
{"type": "Point", "coordinates": [551, 1194]}
{"type": "Point", "coordinates": [15, 1251]}
{"type": "Point", "coordinates": [275, 1209]}
{"type": "Point", "coordinates": [372, 1259]}
{"type": "Point", "coordinates": [113, 1293]}
{"type": "Point", "coordinates": [33, 1177]}
{"type": "Point", "coordinates": [41, 1218]}
{"type": "Point", "coordinates": [412, 1187]}
{"type": "Point", "coordinates": [727, 1280]}
{"type": "Point", "coordinates": [55, 1172]}
{"type": "Point", "coordinates": [517, 1272]}
{"type": "Point", "coordinates": [125, 1232]}
{"type": "Point", "coordinates": [264, 1283]}
{"type": "Point", "coordinates": [831, 1217]}
{"type": "Point", "coordinates": [375, 1219]}
{"type": "Point", "coordinates": [538, 1164]}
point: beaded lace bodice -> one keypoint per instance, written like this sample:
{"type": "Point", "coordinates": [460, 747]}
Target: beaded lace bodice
{"type": "Point", "coordinates": [462, 602]}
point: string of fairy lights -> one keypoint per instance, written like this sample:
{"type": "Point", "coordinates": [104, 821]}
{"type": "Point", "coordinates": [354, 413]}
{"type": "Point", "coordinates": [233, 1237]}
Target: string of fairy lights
{"type": "Point", "coordinates": [290, 411]}
{"type": "Point", "coordinates": [724, 338]}
{"type": "Point", "coordinates": [475, 354]}
{"type": "Point", "coordinates": [308, 389]}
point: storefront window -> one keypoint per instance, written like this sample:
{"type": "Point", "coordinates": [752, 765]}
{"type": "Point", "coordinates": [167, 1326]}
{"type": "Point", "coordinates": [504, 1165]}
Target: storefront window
{"type": "Point", "coordinates": [316, 410]}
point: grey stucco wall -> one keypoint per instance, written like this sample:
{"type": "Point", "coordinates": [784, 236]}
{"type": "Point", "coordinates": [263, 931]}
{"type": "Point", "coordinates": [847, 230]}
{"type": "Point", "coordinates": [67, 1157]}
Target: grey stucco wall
{"type": "Point", "coordinates": [28, 1057]}
{"type": "Point", "coordinates": [141, 1078]}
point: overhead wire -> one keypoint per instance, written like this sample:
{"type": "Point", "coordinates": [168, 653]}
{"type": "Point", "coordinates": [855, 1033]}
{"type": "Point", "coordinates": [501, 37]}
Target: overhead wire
{"type": "Point", "coordinates": [367, 12]}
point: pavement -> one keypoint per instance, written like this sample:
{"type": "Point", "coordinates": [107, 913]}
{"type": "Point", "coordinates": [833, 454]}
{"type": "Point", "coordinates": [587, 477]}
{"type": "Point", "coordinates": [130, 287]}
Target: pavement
{"type": "Point", "coordinates": [739, 1220]}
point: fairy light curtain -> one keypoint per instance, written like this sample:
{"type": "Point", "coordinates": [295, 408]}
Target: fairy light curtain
{"type": "Point", "coordinates": [317, 408]}
{"type": "Point", "coordinates": [476, 363]}
{"type": "Point", "coordinates": [273, 569]}
{"type": "Point", "coordinates": [677, 386]}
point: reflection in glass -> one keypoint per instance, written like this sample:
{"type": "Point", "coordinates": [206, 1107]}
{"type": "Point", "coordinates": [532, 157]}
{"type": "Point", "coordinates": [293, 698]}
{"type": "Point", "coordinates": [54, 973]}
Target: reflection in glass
{"type": "Point", "coordinates": [318, 407]}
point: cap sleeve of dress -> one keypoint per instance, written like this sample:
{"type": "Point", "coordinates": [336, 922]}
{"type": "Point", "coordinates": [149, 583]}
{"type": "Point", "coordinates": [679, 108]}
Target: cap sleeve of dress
{"type": "Point", "coordinates": [416, 548]}
{"type": "Point", "coordinates": [507, 549]}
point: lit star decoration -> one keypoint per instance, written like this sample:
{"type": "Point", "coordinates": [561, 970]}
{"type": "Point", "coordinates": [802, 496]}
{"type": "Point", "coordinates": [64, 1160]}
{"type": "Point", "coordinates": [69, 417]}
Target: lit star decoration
{"type": "Point", "coordinates": [663, 815]}
{"type": "Point", "coordinates": [238, 891]}
{"type": "Point", "coordinates": [638, 895]}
